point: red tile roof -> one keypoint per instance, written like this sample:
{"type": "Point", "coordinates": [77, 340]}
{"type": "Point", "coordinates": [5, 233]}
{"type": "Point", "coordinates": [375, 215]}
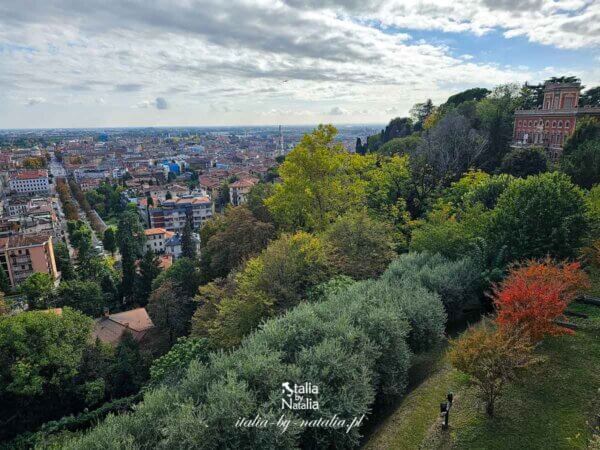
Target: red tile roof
{"type": "Point", "coordinates": [110, 328]}
{"type": "Point", "coordinates": [29, 174]}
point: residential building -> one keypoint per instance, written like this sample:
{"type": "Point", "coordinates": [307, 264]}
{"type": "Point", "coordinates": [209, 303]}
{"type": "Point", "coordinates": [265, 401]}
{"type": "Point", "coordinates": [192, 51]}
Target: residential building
{"type": "Point", "coordinates": [173, 214]}
{"type": "Point", "coordinates": [238, 191]}
{"type": "Point", "coordinates": [110, 327]}
{"type": "Point", "coordinates": [156, 239]}
{"type": "Point", "coordinates": [173, 245]}
{"type": "Point", "coordinates": [29, 182]}
{"type": "Point", "coordinates": [554, 121]}
{"type": "Point", "coordinates": [23, 255]}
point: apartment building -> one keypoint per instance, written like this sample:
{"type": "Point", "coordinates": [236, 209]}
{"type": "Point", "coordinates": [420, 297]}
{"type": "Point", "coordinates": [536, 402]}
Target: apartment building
{"type": "Point", "coordinates": [172, 215]}
{"type": "Point", "coordinates": [238, 191]}
{"type": "Point", "coordinates": [29, 182]}
{"type": "Point", "coordinates": [23, 255]}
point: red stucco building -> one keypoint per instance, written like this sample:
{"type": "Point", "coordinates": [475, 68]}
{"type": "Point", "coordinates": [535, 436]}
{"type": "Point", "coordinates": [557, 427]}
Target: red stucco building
{"type": "Point", "coordinates": [555, 120]}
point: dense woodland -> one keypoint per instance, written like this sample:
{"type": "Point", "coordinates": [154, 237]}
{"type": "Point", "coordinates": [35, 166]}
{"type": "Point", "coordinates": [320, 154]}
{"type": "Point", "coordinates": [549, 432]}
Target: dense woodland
{"type": "Point", "coordinates": [339, 271]}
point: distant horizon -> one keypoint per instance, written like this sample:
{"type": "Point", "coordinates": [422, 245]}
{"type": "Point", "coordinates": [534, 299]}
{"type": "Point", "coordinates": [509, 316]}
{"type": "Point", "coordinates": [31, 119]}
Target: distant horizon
{"type": "Point", "coordinates": [166, 127]}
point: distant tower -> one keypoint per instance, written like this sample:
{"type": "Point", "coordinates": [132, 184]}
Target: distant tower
{"type": "Point", "coordinates": [281, 151]}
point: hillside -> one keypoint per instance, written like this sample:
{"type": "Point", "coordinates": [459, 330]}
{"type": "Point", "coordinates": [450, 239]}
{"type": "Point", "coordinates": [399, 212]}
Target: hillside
{"type": "Point", "coordinates": [553, 407]}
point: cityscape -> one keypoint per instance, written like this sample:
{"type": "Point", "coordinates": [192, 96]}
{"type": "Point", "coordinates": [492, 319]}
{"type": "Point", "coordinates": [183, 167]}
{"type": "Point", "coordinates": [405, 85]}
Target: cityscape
{"type": "Point", "coordinates": [299, 224]}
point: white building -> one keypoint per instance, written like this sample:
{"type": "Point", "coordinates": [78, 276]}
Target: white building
{"type": "Point", "coordinates": [238, 191]}
{"type": "Point", "coordinates": [29, 182]}
{"type": "Point", "coordinates": [156, 239]}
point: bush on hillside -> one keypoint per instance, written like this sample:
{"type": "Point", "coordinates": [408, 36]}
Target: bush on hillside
{"type": "Point", "coordinates": [352, 344]}
{"type": "Point", "coordinates": [539, 215]}
{"type": "Point", "coordinates": [456, 282]}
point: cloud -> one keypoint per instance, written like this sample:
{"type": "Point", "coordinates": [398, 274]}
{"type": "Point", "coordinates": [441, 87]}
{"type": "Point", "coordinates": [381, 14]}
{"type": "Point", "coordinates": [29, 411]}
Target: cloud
{"type": "Point", "coordinates": [158, 103]}
{"type": "Point", "coordinates": [258, 56]}
{"type": "Point", "coordinates": [161, 103]}
{"type": "Point", "coordinates": [337, 111]}
{"type": "Point", "coordinates": [128, 87]}
{"type": "Point", "coordinates": [32, 101]}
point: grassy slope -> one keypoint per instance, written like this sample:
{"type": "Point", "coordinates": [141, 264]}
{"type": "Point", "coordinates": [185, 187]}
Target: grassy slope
{"type": "Point", "coordinates": [550, 408]}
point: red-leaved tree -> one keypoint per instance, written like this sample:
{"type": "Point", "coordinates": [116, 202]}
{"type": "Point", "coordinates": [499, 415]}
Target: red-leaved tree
{"type": "Point", "coordinates": [536, 293]}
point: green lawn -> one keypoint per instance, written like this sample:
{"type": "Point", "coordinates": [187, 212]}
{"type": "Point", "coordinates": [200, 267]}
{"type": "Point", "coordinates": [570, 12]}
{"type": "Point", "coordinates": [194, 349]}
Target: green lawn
{"type": "Point", "coordinates": [552, 407]}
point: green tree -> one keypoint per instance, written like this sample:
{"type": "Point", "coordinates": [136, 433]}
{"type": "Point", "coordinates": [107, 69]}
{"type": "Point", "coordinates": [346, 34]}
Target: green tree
{"type": "Point", "coordinates": [522, 162]}
{"type": "Point", "coordinates": [40, 353]}
{"type": "Point", "coordinates": [172, 366]}
{"type": "Point", "coordinates": [149, 270]}
{"type": "Point", "coordinates": [85, 296]}
{"type": "Point", "coordinates": [188, 243]}
{"type": "Point", "coordinates": [38, 289]}
{"type": "Point", "coordinates": [4, 308]}
{"type": "Point", "coordinates": [237, 237]}
{"type": "Point", "coordinates": [419, 113]}
{"type": "Point", "coordinates": [400, 146]}
{"type": "Point", "coordinates": [360, 247]}
{"type": "Point", "coordinates": [130, 239]}
{"type": "Point", "coordinates": [588, 128]}
{"type": "Point", "coordinates": [223, 196]}
{"type": "Point", "coordinates": [63, 261]}
{"type": "Point", "coordinates": [320, 180]}
{"type": "Point", "coordinates": [287, 269]}
{"type": "Point", "coordinates": [184, 274]}
{"type": "Point", "coordinates": [388, 187]}
{"type": "Point", "coordinates": [476, 94]}
{"type": "Point", "coordinates": [170, 310]}
{"type": "Point", "coordinates": [256, 201]}
{"type": "Point", "coordinates": [110, 240]}
{"type": "Point", "coordinates": [4, 281]}
{"type": "Point", "coordinates": [590, 97]}
{"type": "Point", "coordinates": [496, 113]}
{"type": "Point", "coordinates": [540, 215]}
{"type": "Point", "coordinates": [582, 163]}
{"type": "Point", "coordinates": [130, 369]}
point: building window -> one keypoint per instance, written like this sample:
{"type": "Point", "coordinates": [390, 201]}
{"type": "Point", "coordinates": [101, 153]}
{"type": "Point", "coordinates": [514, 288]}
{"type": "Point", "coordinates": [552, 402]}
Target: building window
{"type": "Point", "coordinates": [560, 124]}
{"type": "Point", "coordinates": [547, 123]}
{"type": "Point", "coordinates": [520, 122]}
{"type": "Point", "coordinates": [567, 124]}
{"type": "Point", "coordinates": [554, 124]}
{"type": "Point", "coordinates": [530, 123]}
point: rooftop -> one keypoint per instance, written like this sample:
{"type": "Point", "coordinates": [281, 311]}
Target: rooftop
{"type": "Point", "coordinates": [110, 328]}
{"type": "Point", "coordinates": [29, 174]}
{"type": "Point", "coordinates": [24, 240]}
{"type": "Point", "coordinates": [243, 183]}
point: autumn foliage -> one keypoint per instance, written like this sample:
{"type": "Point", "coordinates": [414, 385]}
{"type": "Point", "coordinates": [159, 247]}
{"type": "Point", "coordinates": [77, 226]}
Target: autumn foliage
{"type": "Point", "coordinates": [536, 293]}
{"type": "Point", "coordinates": [492, 357]}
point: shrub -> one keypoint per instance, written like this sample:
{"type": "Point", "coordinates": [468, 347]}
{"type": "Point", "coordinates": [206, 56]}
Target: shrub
{"type": "Point", "coordinates": [539, 215]}
{"type": "Point", "coordinates": [352, 344]}
{"type": "Point", "coordinates": [533, 295]}
{"type": "Point", "coordinates": [170, 366]}
{"type": "Point", "coordinates": [450, 234]}
{"type": "Point", "coordinates": [522, 162]}
{"type": "Point", "coordinates": [456, 282]}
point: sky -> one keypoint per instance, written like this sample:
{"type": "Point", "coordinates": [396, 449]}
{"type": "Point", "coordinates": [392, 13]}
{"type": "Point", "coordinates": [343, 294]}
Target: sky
{"type": "Point", "coordinates": [111, 63]}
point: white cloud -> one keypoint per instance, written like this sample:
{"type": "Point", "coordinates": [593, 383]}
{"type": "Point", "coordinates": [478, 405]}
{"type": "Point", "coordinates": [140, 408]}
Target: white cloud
{"type": "Point", "coordinates": [337, 111]}
{"type": "Point", "coordinates": [239, 55]}
{"type": "Point", "coordinates": [32, 101]}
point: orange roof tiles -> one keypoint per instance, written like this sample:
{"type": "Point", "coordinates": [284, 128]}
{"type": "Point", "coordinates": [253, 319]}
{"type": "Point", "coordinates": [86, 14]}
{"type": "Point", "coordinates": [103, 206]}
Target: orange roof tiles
{"type": "Point", "coordinates": [30, 174]}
